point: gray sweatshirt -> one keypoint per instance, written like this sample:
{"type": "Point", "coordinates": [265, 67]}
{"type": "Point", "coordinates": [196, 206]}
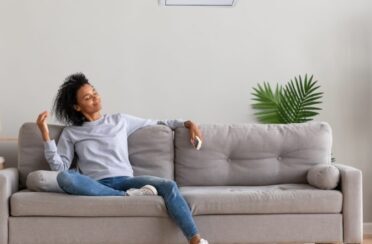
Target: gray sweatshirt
{"type": "Point", "coordinates": [101, 145]}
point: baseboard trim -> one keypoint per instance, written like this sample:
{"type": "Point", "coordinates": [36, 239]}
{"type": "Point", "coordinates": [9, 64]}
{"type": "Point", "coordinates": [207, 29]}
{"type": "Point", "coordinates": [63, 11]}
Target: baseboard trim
{"type": "Point", "coordinates": [367, 229]}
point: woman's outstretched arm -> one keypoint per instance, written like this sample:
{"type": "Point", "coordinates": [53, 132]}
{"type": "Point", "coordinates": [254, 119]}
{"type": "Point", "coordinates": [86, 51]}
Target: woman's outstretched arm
{"type": "Point", "coordinates": [134, 123]}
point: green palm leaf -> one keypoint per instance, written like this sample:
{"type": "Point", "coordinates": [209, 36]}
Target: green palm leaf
{"type": "Point", "coordinates": [295, 103]}
{"type": "Point", "coordinates": [267, 103]}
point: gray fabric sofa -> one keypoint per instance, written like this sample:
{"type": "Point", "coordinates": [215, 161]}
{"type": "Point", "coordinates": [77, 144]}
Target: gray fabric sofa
{"type": "Point", "coordinates": [247, 184]}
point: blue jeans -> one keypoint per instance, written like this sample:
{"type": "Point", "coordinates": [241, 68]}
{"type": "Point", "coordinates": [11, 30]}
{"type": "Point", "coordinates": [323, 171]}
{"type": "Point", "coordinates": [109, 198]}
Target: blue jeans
{"type": "Point", "coordinates": [73, 182]}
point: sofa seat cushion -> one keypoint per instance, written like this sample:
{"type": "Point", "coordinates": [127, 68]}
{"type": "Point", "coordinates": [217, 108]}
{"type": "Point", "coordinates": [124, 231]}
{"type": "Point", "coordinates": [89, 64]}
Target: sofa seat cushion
{"type": "Point", "coordinates": [282, 198]}
{"type": "Point", "coordinates": [27, 203]}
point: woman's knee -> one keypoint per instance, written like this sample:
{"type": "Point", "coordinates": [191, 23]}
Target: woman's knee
{"type": "Point", "coordinates": [65, 178]}
{"type": "Point", "coordinates": [168, 186]}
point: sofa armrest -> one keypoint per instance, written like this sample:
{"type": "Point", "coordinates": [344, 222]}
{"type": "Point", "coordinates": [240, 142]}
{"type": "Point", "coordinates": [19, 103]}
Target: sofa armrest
{"type": "Point", "coordinates": [8, 185]}
{"type": "Point", "coordinates": [352, 207]}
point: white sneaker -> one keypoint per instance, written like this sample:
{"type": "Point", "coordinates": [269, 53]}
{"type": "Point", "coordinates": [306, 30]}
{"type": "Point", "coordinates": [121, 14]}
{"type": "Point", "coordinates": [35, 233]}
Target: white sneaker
{"type": "Point", "coordinates": [147, 190]}
{"type": "Point", "coordinates": [202, 241]}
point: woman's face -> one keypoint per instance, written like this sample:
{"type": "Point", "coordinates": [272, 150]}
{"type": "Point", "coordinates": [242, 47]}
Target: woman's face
{"type": "Point", "coordinates": [88, 100]}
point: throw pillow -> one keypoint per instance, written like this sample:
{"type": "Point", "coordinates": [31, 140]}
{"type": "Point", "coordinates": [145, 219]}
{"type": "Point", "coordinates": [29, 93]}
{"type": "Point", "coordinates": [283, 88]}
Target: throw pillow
{"type": "Point", "coordinates": [323, 176]}
{"type": "Point", "coordinates": [43, 180]}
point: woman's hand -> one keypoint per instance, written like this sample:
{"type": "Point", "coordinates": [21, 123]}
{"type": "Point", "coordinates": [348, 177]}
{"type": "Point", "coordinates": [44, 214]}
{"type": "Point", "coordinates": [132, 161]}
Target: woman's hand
{"type": "Point", "coordinates": [43, 126]}
{"type": "Point", "coordinates": [194, 131]}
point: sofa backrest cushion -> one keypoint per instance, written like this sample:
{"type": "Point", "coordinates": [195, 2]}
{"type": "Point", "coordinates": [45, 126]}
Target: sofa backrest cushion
{"type": "Point", "coordinates": [150, 150]}
{"type": "Point", "coordinates": [251, 154]}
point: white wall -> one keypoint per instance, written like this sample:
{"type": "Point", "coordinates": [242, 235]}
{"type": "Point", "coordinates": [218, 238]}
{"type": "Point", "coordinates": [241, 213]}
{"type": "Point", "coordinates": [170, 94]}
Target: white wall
{"type": "Point", "coordinates": [158, 62]}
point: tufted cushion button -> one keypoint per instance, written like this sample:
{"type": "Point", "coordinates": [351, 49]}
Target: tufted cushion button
{"type": "Point", "coordinates": [229, 160]}
{"type": "Point", "coordinates": [279, 158]}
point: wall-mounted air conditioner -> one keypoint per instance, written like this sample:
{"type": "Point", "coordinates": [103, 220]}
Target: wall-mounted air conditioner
{"type": "Point", "coordinates": [197, 2]}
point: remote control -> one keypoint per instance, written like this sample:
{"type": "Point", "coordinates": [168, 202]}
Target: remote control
{"type": "Point", "coordinates": [197, 143]}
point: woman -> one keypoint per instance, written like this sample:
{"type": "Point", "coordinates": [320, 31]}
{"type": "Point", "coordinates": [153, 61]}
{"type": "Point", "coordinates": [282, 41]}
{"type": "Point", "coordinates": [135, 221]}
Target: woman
{"type": "Point", "coordinates": [100, 143]}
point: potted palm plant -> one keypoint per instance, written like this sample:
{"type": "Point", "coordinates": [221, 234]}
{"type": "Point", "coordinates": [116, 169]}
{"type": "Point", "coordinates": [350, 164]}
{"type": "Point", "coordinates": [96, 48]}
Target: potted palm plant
{"type": "Point", "coordinates": [294, 102]}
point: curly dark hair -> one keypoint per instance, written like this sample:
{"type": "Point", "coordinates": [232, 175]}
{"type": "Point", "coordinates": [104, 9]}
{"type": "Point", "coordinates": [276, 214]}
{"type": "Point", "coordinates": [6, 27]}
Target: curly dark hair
{"type": "Point", "coordinates": [65, 100]}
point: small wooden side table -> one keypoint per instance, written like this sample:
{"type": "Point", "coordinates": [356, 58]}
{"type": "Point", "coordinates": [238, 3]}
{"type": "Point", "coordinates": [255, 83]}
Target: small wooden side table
{"type": "Point", "coordinates": [2, 163]}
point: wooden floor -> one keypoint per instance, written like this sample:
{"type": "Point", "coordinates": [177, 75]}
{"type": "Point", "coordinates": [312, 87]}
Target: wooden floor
{"type": "Point", "coordinates": [367, 239]}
